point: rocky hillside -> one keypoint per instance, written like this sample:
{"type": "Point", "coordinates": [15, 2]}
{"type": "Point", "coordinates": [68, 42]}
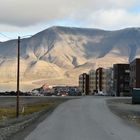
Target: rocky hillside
{"type": "Point", "coordinates": [58, 55]}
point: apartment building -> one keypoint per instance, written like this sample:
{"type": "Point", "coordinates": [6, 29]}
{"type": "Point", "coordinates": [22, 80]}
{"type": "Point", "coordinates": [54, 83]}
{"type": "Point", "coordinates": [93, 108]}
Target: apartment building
{"type": "Point", "coordinates": [135, 80]}
{"type": "Point", "coordinates": [101, 80]}
{"type": "Point", "coordinates": [135, 73]}
{"type": "Point", "coordinates": [92, 82]}
{"type": "Point", "coordinates": [121, 79]}
{"type": "Point", "coordinates": [84, 83]}
{"type": "Point", "coordinates": [104, 80]}
{"type": "Point", "coordinates": [109, 81]}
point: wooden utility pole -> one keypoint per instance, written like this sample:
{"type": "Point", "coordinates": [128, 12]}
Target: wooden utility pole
{"type": "Point", "coordinates": [18, 76]}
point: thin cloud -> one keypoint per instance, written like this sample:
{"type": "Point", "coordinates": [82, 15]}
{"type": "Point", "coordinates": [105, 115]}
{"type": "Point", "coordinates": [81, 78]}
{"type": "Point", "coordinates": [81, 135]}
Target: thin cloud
{"type": "Point", "coordinates": [20, 17]}
{"type": "Point", "coordinates": [31, 12]}
{"type": "Point", "coordinates": [113, 19]}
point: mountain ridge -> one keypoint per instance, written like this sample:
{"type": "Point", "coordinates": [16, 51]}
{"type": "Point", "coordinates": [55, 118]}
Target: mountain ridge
{"type": "Point", "coordinates": [59, 54]}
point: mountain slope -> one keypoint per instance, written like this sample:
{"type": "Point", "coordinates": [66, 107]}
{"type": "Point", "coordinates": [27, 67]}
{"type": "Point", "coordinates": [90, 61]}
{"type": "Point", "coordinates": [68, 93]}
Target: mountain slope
{"type": "Point", "coordinates": [58, 55]}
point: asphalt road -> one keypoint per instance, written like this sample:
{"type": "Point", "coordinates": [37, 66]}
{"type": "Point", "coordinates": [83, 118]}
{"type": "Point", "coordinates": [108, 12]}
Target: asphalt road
{"type": "Point", "coordinates": [86, 118]}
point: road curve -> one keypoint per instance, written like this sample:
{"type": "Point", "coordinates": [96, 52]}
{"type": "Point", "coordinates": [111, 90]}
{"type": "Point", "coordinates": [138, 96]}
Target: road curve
{"type": "Point", "coordinates": [87, 118]}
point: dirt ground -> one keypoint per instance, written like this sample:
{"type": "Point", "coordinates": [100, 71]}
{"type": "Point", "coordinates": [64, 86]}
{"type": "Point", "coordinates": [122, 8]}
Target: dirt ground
{"type": "Point", "coordinates": [124, 108]}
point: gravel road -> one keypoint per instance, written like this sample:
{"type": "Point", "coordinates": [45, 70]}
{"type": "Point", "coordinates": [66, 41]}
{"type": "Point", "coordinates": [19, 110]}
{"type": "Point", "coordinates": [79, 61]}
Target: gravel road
{"type": "Point", "coordinates": [86, 118]}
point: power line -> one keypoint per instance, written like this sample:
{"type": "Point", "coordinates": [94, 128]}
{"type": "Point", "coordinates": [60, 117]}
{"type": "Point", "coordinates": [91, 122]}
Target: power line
{"type": "Point", "coordinates": [22, 37]}
{"type": "Point", "coordinates": [5, 36]}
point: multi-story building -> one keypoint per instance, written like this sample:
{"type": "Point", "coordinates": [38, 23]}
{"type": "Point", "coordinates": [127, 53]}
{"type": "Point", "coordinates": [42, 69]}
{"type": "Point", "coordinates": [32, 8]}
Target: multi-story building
{"type": "Point", "coordinates": [100, 80]}
{"type": "Point", "coordinates": [135, 80]}
{"type": "Point", "coordinates": [92, 82]}
{"type": "Point", "coordinates": [84, 83]}
{"type": "Point", "coordinates": [109, 81]}
{"type": "Point", "coordinates": [135, 73]}
{"type": "Point", "coordinates": [104, 80]}
{"type": "Point", "coordinates": [121, 78]}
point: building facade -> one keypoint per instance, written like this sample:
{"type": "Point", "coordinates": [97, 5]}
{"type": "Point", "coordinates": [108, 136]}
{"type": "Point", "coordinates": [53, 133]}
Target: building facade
{"type": "Point", "coordinates": [84, 83]}
{"type": "Point", "coordinates": [121, 79]}
{"type": "Point", "coordinates": [92, 82]}
{"type": "Point", "coordinates": [134, 73]}
{"type": "Point", "coordinates": [104, 81]}
{"type": "Point", "coordinates": [109, 82]}
{"type": "Point", "coordinates": [100, 80]}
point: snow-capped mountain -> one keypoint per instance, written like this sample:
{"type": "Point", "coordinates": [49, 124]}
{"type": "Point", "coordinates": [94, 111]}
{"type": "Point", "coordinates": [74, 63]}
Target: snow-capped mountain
{"type": "Point", "coordinates": [58, 55]}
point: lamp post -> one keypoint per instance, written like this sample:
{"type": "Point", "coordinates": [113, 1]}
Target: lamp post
{"type": "Point", "coordinates": [18, 76]}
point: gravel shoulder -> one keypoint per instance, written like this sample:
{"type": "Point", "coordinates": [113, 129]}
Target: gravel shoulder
{"type": "Point", "coordinates": [21, 134]}
{"type": "Point", "coordinates": [15, 129]}
{"type": "Point", "coordinates": [124, 108]}
{"type": "Point", "coordinates": [121, 107]}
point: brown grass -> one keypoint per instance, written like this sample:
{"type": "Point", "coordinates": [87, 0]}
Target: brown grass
{"type": "Point", "coordinates": [10, 112]}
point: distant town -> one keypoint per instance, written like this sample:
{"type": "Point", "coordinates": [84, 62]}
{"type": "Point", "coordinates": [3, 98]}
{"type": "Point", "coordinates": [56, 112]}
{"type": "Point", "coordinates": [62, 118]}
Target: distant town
{"type": "Point", "coordinates": [120, 80]}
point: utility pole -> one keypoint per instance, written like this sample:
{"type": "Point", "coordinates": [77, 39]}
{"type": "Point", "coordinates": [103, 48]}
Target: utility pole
{"type": "Point", "coordinates": [18, 77]}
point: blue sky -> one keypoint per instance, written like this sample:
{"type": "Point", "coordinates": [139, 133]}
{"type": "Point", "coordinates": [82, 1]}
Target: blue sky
{"type": "Point", "coordinates": [27, 17]}
{"type": "Point", "coordinates": [134, 9]}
